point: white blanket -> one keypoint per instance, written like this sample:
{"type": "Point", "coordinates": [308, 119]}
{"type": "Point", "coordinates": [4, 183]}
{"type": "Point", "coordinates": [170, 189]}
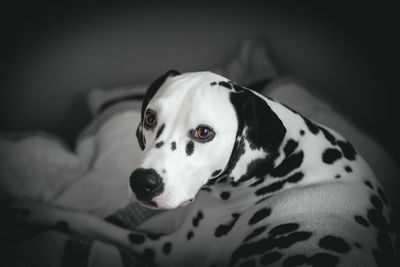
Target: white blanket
{"type": "Point", "coordinates": [93, 178]}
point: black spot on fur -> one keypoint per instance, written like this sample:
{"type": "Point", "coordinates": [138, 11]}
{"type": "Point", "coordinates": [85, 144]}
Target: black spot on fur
{"type": "Point", "coordinates": [348, 150]}
{"type": "Point", "coordinates": [189, 235]}
{"type": "Point", "coordinates": [295, 260]}
{"type": "Point", "coordinates": [225, 84]}
{"type": "Point", "coordinates": [361, 220]}
{"type": "Point", "coordinates": [369, 184]}
{"type": "Point", "coordinates": [267, 244]}
{"type": "Point", "coordinates": [206, 188]}
{"type": "Point", "coordinates": [173, 146]}
{"type": "Point", "coordinates": [258, 168]}
{"type": "Point", "coordinates": [199, 216]}
{"type": "Point", "coordinates": [160, 131]}
{"type": "Point", "coordinates": [376, 202]}
{"type": "Point", "coordinates": [260, 215]}
{"type": "Point", "coordinates": [302, 132]}
{"type": "Point", "coordinates": [337, 176]}
{"type": "Point", "coordinates": [189, 148]}
{"type": "Point", "coordinates": [290, 147]}
{"type": "Point", "coordinates": [328, 135]}
{"type": "Point", "coordinates": [284, 229]}
{"type": "Point", "coordinates": [167, 248]}
{"type": "Point", "coordinates": [377, 219]}
{"type": "Point", "coordinates": [211, 182]}
{"type": "Point", "coordinates": [323, 259]}
{"type": "Point", "coordinates": [246, 250]}
{"type": "Point", "coordinates": [292, 238]}
{"type": "Point", "coordinates": [255, 233]}
{"type": "Point", "coordinates": [319, 259]}
{"type": "Point", "coordinates": [385, 254]}
{"type": "Point", "coordinates": [330, 155]}
{"type": "Point", "coordinates": [270, 257]}
{"type": "Point", "coordinates": [382, 196]}
{"type": "Point", "coordinates": [224, 229]}
{"type": "Point", "coordinates": [213, 83]}
{"type": "Point", "coordinates": [159, 144]}
{"type": "Point", "coordinates": [195, 222]}
{"type": "Point", "coordinates": [311, 126]}
{"type": "Point", "coordinates": [334, 243]}
{"type": "Point", "coordinates": [153, 236]}
{"type": "Point", "coordinates": [225, 195]}
{"type": "Point", "coordinates": [295, 178]}
{"type": "Point", "coordinates": [234, 184]}
{"type": "Point", "coordinates": [215, 173]}
{"type": "Point", "coordinates": [270, 188]}
{"type": "Point", "coordinates": [257, 182]}
{"type": "Point", "coordinates": [262, 199]}
{"type": "Point", "coordinates": [348, 169]}
{"type": "Point", "coordinates": [288, 164]}
{"type": "Point", "coordinates": [238, 151]}
{"type": "Point", "coordinates": [136, 238]}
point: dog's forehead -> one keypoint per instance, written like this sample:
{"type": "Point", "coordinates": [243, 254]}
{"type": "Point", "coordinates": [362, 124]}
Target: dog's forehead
{"type": "Point", "coordinates": [192, 89]}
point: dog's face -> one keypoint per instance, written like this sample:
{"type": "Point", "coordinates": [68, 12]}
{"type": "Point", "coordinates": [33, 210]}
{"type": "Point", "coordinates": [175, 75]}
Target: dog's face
{"type": "Point", "coordinates": [188, 132]}
{"type": "Point", "coordinates": [198, 126]}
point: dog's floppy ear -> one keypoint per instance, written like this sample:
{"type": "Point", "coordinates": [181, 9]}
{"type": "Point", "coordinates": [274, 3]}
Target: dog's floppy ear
{"type": "Point", "coordinates": [151, 91]}
{"type": "Point", "coordinates": [259, 136]}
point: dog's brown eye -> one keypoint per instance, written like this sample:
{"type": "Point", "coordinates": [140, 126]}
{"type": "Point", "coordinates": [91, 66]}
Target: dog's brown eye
{"type": "Point", "coordinates": [203, 133]}
{"type": "Point", "coordinates": [150, 119]}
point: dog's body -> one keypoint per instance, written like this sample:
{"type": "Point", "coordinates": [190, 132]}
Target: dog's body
{"type": "Point", "coordinates": [269, 186]}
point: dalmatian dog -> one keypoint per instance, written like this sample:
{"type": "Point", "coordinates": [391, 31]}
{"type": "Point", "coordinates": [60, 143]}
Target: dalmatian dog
{"type": "Point", "coordinates": [256, 184]}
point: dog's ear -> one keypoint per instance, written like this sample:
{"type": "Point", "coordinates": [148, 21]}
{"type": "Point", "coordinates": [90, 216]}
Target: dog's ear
{"type": "Point", "coordinates": [151, 91]}
{"type": "Point", "coordinates": [140, 137]}
{"type": "Point", "coordinates": [154, 86]}
{"type": "Point", "coordinates": [259, 136]}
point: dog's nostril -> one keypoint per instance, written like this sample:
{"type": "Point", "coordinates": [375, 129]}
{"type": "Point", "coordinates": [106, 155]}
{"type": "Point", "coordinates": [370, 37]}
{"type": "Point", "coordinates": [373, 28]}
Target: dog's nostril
{"type": "Point", "coordinates": [145, 181]}
{"type": "Point", "coordinates": [152, 183]}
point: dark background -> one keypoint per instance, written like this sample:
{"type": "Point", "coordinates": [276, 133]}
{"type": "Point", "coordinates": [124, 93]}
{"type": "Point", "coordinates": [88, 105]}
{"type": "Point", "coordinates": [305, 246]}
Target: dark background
{"type": "Point", "coordinates": [52, 54]}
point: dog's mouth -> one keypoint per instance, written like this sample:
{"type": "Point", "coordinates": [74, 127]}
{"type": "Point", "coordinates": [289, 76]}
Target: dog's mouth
{"type": "Point", "coordinates": [154, 204]}
{"type": "Point", "coordinates": [150, 204]}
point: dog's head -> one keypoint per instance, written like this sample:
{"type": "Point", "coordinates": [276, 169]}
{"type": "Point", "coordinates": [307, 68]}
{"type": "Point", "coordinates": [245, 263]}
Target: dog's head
{"type": "Point", "coordinates": [197, 127]}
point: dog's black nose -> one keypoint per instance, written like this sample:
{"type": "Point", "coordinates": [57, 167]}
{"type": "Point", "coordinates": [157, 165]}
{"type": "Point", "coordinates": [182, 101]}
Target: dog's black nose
{"type": "Point", "coordinates": [146, 183]}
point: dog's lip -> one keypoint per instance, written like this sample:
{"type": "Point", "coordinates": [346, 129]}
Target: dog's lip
{"type": "Point", "coordinates": [150, 204]}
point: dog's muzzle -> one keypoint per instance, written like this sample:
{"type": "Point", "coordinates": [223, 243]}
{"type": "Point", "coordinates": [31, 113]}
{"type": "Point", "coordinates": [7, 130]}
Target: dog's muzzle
{"type": "Point", "coordinates": [146, 184]}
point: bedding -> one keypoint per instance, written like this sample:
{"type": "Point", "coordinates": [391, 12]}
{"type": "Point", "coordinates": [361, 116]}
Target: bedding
{"type": "Point", "coordinates": [93, 177]}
